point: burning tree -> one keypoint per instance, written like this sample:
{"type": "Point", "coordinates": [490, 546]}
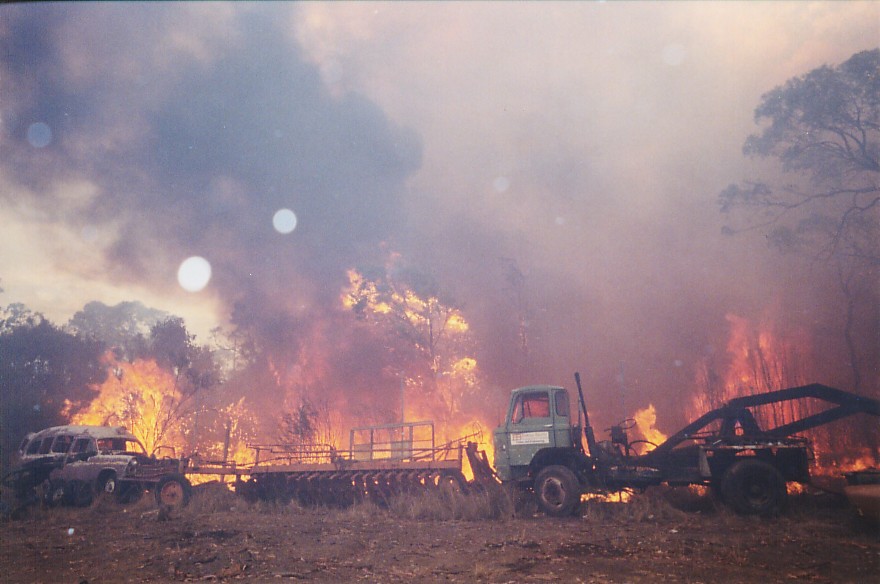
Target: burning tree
{"type": "Point", "coordinates": [761, 358]}
{"type": "Point", "coordinates": [824, 130]}
{"type": "Point", "coordinates": [144, 398]}
{"type": "Point", "coordinates": [308, 427]}
{"type": "Point", "coordinates": [428, 333]}
{"type": "Point", "coordinates": [153, 394]}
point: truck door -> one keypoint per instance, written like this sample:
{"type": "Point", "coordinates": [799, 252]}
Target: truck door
{"type": "Point", "coordinates": [530, 426]}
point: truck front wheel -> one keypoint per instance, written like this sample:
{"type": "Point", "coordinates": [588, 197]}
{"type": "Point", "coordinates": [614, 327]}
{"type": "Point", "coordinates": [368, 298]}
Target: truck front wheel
{"type": "Point", "coordinates": [557, 491]}
{"type": "Point", "coordinates": [754, 487]}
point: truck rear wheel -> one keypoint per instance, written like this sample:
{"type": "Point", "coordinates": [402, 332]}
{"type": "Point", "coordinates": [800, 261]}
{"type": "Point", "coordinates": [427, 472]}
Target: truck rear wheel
{"type": "Point", "coordinates": [754, 487]}
{"type": "Point", "coordinates": [557, 491]}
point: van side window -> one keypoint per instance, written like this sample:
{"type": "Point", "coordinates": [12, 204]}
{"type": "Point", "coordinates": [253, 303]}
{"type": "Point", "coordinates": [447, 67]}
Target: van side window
{"type": "Point", "coordinates": [84, 445]}
{"type": "Point", "coordinates": [45, 445]}
{"type": "Point", "coordinates": [34, 446]}
{"type": "Point", "coordinates": [62, 444]}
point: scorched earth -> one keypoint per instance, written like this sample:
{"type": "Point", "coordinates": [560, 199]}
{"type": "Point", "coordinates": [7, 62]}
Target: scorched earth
{"type": "Point", "coordinates": [663, 535]}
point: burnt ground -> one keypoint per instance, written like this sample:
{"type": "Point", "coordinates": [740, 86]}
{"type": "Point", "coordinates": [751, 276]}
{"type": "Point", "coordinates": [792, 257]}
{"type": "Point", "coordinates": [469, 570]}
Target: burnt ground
{"type": "Point", "coordinates": [660, 536]}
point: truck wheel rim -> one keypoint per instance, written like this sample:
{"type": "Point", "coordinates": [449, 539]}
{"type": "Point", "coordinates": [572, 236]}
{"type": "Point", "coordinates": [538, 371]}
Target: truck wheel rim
{"type": "Point", "coordinates": [172, 493]}
{"type": "Point", "coordinates": [758, 491]}
{"type": "Point", "coordinates": [553, 492]}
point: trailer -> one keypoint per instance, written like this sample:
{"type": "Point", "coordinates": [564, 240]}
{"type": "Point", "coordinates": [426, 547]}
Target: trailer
{"type": "Point", "coordinates": [381, 462]}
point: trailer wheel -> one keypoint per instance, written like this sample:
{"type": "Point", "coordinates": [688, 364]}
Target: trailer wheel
{"type": "Point", "coordinates": [557, 491]}
{"type": "Point", "coordinates": [173, 490]}
{"type": "Point", "coordinates": [754, 487]}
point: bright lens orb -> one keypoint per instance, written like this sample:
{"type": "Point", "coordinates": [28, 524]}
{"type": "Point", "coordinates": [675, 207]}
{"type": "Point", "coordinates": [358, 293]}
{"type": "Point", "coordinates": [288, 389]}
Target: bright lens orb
{"type": "Point", "coordinates": [194, 274]}
{"type": "Point", "coordinates": [39, 135]}
{"type": "Point", "coordinates": [284, 221]}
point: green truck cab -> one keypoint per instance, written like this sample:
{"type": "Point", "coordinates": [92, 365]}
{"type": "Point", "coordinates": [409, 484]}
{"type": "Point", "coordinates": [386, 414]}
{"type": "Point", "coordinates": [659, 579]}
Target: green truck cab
{"type": "Point", "coordinates": [538, 448]}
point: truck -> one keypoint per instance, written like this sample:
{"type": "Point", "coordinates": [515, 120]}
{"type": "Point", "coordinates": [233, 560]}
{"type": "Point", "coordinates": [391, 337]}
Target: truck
{"type": "Point", "coordinates": [540, 450]}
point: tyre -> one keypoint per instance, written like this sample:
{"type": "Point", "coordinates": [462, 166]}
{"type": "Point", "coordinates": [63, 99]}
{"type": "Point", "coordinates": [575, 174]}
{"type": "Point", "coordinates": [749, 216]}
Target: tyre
{"type": "Point", "coordinates": [173, 490]}
{"type": "Point", "coordinates": [754, 487]}
{"type": "Point", "coordinates": [82, 493]}
{"type": "Point", "coordinates": [55, 494]}
{"type": "Point", "coordinates": [557, 491]}
{"type": "Point", "coordinates": [107, 484]}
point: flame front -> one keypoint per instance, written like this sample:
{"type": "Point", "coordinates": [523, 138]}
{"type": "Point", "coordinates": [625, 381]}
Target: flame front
{"type": "Point", "coordinates": [142, 397]}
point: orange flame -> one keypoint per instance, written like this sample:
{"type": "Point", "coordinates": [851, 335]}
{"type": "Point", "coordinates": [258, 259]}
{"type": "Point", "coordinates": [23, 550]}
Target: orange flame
{"type": "Point", "coordinates": [144, 398]}
{"type": "Point", "coordinates": [645, 419]}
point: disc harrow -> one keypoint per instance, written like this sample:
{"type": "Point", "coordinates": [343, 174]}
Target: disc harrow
{"type": "Point", "coordinates": [382, 462]}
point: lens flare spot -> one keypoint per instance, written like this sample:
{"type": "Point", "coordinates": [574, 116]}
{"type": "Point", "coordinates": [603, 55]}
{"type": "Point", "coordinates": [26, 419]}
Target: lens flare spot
{"type": "Point", "coordinates": [501, 184]}
{"type": "Point", "coordinates": [70, 531]}
{"type": "Point", "coordinates": [284, 221]}
{"type": "Point", "coordinates": [194, 274]}
{"type": "Point", "coordinates": [39, 135]}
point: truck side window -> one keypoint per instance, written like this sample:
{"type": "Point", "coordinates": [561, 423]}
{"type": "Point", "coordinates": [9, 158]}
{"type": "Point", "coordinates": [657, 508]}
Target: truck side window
{"type": "Point", "coordinates": [531, 405]}
{"type": "Point", "coordinates": [562, 404]}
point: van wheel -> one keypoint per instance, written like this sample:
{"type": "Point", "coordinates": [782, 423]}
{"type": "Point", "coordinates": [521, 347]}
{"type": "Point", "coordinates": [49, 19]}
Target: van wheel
{"type": "Point", "coordinates": [754, 487]}
{"type": "Point", "coordinates": [557, 490]}
{"type": "Point", "coordinates": [173, 491]}
{"type": "Point", "coordinates": [55, 495]}
{"type": "Point", "coordinates": [107, 484]}
{"type": "Point", "coordinates": [82, 493]}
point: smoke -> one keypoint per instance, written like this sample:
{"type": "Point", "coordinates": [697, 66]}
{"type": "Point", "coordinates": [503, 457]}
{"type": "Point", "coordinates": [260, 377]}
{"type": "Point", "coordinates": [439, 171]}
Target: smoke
{"type": "Point", "coordinates": [553, 167]}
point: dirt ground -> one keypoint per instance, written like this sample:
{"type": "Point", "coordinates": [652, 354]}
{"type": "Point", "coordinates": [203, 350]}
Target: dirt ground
{"type": "Point", "coordinates": [661, 536]}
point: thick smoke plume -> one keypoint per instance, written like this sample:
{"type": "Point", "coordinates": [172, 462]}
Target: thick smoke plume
{"type": "Point", "coordinates": [575, 226]}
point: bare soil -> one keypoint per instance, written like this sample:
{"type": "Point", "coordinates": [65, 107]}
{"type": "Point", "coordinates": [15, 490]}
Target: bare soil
{"type": "Point", "coordinates": [664, 535]}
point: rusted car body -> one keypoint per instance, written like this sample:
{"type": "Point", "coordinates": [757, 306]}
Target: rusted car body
{"type": "Point", "coordinates": [72, 464]}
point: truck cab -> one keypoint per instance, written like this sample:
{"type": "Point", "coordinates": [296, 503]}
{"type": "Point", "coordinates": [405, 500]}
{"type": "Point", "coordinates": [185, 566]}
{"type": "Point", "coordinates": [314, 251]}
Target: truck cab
{"type": "Point", "coordinates": [538, 422]}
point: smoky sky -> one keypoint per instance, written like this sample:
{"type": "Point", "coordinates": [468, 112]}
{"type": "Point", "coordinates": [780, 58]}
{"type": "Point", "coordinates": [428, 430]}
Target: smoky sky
{"type": "Point", "coordinates": [230, 140]}
{"type": "Point", "coordinates": [556, 175]}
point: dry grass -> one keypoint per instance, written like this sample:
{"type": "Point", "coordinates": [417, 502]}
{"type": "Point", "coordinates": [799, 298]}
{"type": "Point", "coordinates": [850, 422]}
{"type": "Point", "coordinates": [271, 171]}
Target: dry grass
{"type": "Point", "coordinates": [649, 506]}
{"type": "Point", "coordinates": [444, 504]}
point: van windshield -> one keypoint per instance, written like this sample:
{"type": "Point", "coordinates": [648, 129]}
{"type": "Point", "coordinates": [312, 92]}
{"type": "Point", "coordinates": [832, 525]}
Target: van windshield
{"type": "Point", "coordinates": [119, 445]}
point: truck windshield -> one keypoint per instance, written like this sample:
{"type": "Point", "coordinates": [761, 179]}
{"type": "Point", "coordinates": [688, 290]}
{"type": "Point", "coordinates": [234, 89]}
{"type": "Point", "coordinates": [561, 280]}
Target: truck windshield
{"type": "Point", "coordinates": [531, 405]}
